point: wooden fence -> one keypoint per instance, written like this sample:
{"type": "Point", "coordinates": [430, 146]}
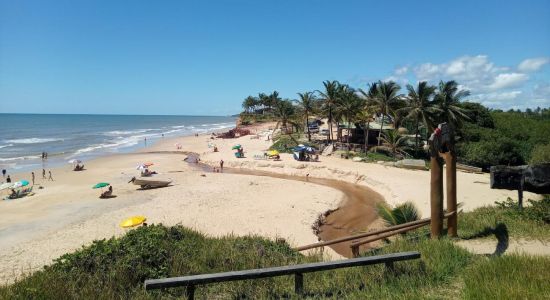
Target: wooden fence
{"type": "Point", "coordinates": [297, 270]}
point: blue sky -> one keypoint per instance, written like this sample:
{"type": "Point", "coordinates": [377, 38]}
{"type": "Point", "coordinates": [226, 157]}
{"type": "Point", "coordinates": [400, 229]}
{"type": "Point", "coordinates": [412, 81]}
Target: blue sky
{"type": "Point", "coordinates": [204, 57]}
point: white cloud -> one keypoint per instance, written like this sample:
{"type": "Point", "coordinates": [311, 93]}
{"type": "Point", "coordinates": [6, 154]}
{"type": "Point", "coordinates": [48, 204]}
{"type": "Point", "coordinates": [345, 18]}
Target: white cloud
{"type": "Point", "coordinates": [507, 80]}
{"type": "Point", "coordinates": [401, 71]}
{"type": "Point", "coordinates": [492, 85]}
{"type": "Point", "coordinates": [533, 64]}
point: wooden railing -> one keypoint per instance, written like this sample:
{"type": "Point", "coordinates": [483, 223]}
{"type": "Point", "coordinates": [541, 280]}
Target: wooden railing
{"type": "Point", "coordinates": [297, 270]}
{"type": "Point", "coordinates": [376, 235]}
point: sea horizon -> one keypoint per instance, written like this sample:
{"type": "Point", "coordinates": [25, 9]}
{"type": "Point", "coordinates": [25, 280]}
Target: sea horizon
{"type": "Point", "coordinates": [87, 136]}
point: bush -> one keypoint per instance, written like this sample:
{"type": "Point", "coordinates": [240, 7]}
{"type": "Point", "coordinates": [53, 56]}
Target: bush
{"type": "Point", "coordinates": [540, 154]}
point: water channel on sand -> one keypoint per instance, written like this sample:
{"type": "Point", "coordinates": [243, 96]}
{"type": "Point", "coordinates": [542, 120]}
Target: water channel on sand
{"type": "Point", "coordinates": [355, 213]}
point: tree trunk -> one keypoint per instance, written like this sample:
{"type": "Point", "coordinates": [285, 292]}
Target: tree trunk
{"type": "Point", "coordinates": [380, 132]}
{"type": "Point", "coordinates": [416, 137]}
{"type": "Point", "coordinates": [367, 137]}
{"type": "Point", "coordinates": [307, 125]}
{"type": "Point", "coordinates": [330, 135]}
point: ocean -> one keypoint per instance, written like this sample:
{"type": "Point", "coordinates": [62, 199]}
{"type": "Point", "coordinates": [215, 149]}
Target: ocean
{"type": "Point", "coordinates": [23, 137]}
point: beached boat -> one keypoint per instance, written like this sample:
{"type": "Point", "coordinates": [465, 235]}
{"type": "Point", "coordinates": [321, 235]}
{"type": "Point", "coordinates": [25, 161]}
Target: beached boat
{"type": "Point", "coordinates": [149, 184]}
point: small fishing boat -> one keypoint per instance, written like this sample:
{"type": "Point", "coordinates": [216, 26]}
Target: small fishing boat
{"type": "Point", "coordinates": [149, 183]}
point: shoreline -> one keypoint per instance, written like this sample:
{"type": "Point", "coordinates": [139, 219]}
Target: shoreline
{"type": "Point", "coordinates": [67, 213]}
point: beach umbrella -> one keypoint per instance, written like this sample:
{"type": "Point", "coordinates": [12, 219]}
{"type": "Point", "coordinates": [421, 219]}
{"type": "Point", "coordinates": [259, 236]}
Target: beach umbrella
{"type": "Point", "coordinates": [238, 146]}
{"type": "Point", "coordinates": [133, 221]}
{"type": "Point", "coordinates": [310, 150]}
{"type": "Point", "coordinates": [273, 153]}
{"type": "Point", "coordinates": [148, 164]}
{"type": "Point", "coordinates": [100, 185]}
{"type": "Point", "coordinates": [7, 185]}
{"type": "Point", "coordinates": [75, 161]}
{"type": "Point", "coordinates": [20, 184]}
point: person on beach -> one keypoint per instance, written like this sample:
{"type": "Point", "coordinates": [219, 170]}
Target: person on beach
{"type": "Point", "coordinates": [3, 172]}
{"type": "Point", "coordinates": [221, 164]}
{"type": "Point", "coordinates": [43, 173]}
{"type": "Point", "coordinates": [32, 175]}
{"type": "Point", "coordinates": [145, 139]}
{"type": "Point", "coordinates": [50, 175]}
{"type": "Point", "coordinates": [8, 180]}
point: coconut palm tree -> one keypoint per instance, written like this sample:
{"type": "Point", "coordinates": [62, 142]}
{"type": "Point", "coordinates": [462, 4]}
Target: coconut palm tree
{"type": "Point", "coordinates": [329, 98]}
{"type": "Point", "coordinates": [394, 143]}
{"type": "Point", "coordinates": [249, 103]}
{"type": "Point", "coordinates": [420, 107]}
{"type": "Point", "coordinates": [447, 99]}
{"type": "Point", "coordinates": [386, 97]}
{"type": "Point", "coordinates": [349, 104]}
{"type": "Point", "coordinates": [285, 114]}
{"type": "Point", "coordinates": [307, 103]}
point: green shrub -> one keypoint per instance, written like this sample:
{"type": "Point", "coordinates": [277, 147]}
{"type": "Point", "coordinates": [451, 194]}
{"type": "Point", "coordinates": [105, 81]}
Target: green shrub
{"type": "Point", "coordinates": [540, 154]}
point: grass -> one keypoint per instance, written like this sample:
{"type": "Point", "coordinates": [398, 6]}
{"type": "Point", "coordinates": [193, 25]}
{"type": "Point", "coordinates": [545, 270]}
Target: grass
{"type": "Point", "coordinates": [117, 267]}
{"type": "Point", "coordinates": [529, 223]}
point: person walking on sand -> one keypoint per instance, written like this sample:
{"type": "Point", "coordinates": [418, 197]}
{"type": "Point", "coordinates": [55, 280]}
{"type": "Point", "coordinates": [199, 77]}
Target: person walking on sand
{"type": "Point", "coordinates": [43, 173]}
{"type": "Point", "coordinates": [50, 175]}
{"type": "Point", "coordinates": [4, 173]}
{"type": "Point", "coordinates": [32, 175]}
{"type": "Point", "coordinates": [221, 165]}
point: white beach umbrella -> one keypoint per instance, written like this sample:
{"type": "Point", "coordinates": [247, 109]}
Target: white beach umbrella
{"type": "Point", "coordinates": [75, 161]}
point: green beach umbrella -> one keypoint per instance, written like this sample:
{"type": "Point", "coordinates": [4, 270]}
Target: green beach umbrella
{"type": "Point", "coordinates": [100, 185]}
{"type": "Point", "coordinates": [236, 147]}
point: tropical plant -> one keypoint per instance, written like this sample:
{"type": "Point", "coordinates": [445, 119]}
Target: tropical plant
{"type": "Point", "coordinates": [285, 114]}
{"type": "Point", "coordinates": [403, 213]}
{"type": "Point", "coordinates": [447, 99]}
{"type": "Point", "coordinates": [249, 104]}
{"type": "Point", "coordinates": [394, 143]}
{"type": "Point", "coordinates": [348, 106]}
{"type": "Point", "coordinates": [307, 103]}
{"type": "Point", "coordinates": [420, 107]}
{"type": "Point", "coordinates": [386, 97]}
{"type": "Point", "coordinates": [330, 97]}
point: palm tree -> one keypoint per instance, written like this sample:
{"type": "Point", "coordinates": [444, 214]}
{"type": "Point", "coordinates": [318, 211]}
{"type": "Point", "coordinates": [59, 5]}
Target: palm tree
{"type": "Point", "coordinates": [420, 107]}
{"type": "Point", "coordinates": [307, 104]}
{"type": "Point", "coordinates": [249, 103]}
{"type": "Point", "coordinates": [394, 143]}
{"type": "Point", "coordinates": [386, 97]}
{"type": "Point", "coordinates": [365, 116]}
{"type": "Point", "coordinates": [285, 114]}
{"type": "Point", "coordinates": [447, 100]}
{"type": "Point", "coordinates": [330, 97]}
{"type": "Point", "coordinates": [349, 105]}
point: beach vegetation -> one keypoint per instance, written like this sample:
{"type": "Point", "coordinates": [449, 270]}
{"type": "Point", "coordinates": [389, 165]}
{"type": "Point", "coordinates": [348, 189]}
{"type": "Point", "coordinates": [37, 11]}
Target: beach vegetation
{"type": "Point", "coordinates": [117, 267]}
{"type": "Point", "coordinates": [400, 214]}
{"type": "Point", "coordinates": [394, 143]}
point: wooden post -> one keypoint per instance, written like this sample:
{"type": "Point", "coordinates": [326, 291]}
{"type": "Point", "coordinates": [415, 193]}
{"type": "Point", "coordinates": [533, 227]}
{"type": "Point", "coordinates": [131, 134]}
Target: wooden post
{"type": "Point", "coordinates": [436, 196]}
{"type": "Point", "coordinates": [520, 191]}
{"type": "Point", "coordinates": [355, 250]}
{"type": "Point", "coordinates": [299, 283]}
{"type": "Point", "coordinates": [451, 193]}
{"type": "Point", "coordinates": [191, 292]}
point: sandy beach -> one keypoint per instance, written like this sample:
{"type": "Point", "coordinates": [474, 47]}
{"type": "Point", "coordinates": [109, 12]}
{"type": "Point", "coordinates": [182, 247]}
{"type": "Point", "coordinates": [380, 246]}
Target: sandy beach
{"type": "Point", "coordinates": [67, 213]}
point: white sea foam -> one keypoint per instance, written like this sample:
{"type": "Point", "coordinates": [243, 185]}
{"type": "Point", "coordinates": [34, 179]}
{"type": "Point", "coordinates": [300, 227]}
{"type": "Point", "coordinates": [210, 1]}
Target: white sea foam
{"type": "Point", "coordinates": [18, 158]}
{"type": "Point", "coordinates": [33, 140]}
{"type": "Point", "coordinates": [127, 132]}
{"type": "Point", "coordinates": [5, 146]}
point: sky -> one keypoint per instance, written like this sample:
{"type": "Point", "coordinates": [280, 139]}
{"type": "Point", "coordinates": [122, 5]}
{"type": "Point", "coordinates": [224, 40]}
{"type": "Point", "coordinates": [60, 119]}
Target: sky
{"type": "Point", "coordinates": [205, 57]}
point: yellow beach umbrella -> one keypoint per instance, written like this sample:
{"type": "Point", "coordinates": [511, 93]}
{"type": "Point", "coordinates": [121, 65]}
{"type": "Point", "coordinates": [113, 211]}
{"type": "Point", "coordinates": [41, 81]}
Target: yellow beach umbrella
{"type": "Point", "coordinates": [133, 221]}
{"type": "Point", "coordinates": [273, 153]}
